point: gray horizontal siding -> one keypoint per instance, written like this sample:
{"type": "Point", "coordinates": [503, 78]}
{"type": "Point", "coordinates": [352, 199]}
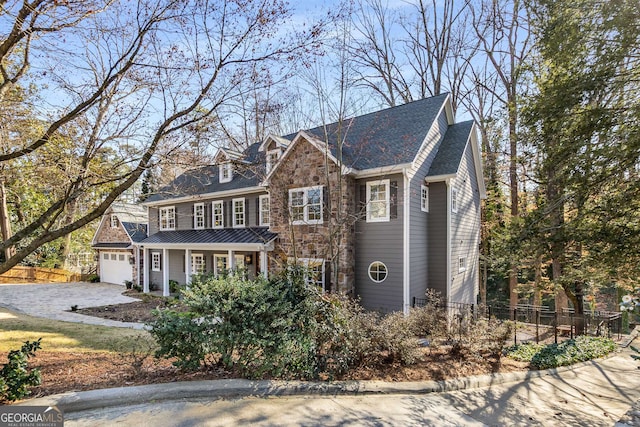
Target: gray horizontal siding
{"type": "Point", "coordinates": [381, 241]}
{"type": "Point", "coordinates": [437, 231]}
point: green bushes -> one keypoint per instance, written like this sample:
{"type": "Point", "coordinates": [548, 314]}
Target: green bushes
{"type": "Point", "coordinates": [565, 353]}
{"type": "Point", "coordinates": [15, 377]}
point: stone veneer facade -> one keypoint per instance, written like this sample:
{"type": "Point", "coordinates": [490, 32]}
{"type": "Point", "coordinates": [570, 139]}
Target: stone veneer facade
{"type": "Point", "coordinates": [307, 166]}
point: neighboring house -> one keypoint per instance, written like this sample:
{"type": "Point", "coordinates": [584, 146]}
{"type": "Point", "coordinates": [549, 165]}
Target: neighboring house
{"type": "Point", "coordinates": [122, 228]}
{"type": "Point", "coordinates": [390, 211]}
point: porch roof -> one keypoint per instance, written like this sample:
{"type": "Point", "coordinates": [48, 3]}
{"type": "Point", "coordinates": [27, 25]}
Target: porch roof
{"type": "Point", "coordinates": [214, 237]}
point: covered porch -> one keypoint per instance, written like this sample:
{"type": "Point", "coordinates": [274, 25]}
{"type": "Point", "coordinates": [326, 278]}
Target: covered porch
{"type": "Point", "coordinates": [178, 255]}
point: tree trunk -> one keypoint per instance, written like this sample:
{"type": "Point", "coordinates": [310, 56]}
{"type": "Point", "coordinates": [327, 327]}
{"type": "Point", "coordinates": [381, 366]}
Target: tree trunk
{"type": "Point", "coordinates": [5, 222]}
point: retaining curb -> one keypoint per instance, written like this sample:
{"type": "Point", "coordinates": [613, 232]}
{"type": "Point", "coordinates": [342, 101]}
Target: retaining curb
{"type": "Point", "coordinates": [124, 396]}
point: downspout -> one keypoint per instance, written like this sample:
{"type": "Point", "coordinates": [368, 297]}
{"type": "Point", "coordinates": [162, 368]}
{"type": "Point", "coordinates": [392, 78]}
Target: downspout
{"type": "Point", "coordinates": [448, 210]}
{"type": "Point", "coordinates": [406, 215]}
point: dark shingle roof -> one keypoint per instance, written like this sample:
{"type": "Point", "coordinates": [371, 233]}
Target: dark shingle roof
{"type": "Point", "coordinates": [206, 179]}
{"type": "Point", "coordinates": [451, 150]}
{"type": "Point", "coordinates": [383, 138]}
{"type": "Point", "coordinates": [226, 235]}
{"type": "Point", "coordinates": [137, 232]}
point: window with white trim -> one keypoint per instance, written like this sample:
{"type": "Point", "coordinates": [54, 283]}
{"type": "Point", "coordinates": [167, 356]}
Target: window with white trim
{"type": "Point", "coordinates": [314, 271]}
{"type": "Point", "coordinates": [378, 201]}
{"type": "Point", "coordinates": [378, 271]}
{"type": "Point", "coordinates": [462, 264]}
{"type": "Point", "coordinates": [114, 221]}
{"type": "Point", "coordinates": [238, 213]}
{"type": "Point", "coordinates": [272, 158]}
{"type": "Point", "coordinates": [167, 218]}
{"type": "Point", "coordinates": [198, 265]}
{"type": "Point", "coordinates": [198, 216]}
{"type": "Point", "coordinates": [264, 204]}
{"type": "Point", "coordinates": [220, 264]}
{"type": "Point", "coordinates": [226, 172]}
{"type": "Point", "coordinates": [305, 205]}
{"type": "Point", "coordinates": [454, 200]}
{"type": "Point", "coordinates": [217, 214]}
{"type": "Point", "coordinates": [424, 198]}
{"type": "Point", "coordinates": [155, 261]}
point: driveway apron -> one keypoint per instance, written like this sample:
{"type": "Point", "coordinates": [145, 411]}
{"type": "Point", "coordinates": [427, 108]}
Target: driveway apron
{"type": "Point", "coordinates": [53, 301]}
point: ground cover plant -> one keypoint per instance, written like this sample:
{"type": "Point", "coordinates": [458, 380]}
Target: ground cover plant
{"type": "Point", "coordinates": [568, 352]}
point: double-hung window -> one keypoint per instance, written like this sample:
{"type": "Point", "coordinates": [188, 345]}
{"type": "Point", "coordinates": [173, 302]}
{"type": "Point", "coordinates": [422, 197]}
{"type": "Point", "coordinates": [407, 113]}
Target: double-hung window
{"type": "Point", "coordinates": [272, 158]}
{"type": "Point", "coordinates": [264, 210]}
{"type": "Point", "coordinates": [167, 218]}
{"type": "Point", "coordinates": [217, 214]}
{"type": "Point", "coordinates": [378, 201]}
{"type": "Point", "coordinates": [198, 216]}
{"type": "Point", "coordinates": [238, 213]}
{"type": "Point", "coordinates": [313, 271]}
{"type": "Point", "coordinates": [114, 221]}
{"type": "Point", "coordinates": [155, 261]}
{"type": "Point", "coordinates": [226, 172]}
{"type": "Point", "coordinates": [305, 205]}
{"type": "Point", "coordinates": [197, 264]}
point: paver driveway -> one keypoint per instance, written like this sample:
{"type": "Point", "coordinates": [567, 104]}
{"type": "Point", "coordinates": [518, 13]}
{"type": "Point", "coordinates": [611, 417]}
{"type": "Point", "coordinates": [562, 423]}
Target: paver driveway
{"type": "Point", "coordinates": [53, 300]}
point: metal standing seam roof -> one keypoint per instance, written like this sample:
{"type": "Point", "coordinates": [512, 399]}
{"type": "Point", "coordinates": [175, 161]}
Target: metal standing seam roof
{"type": "Point", "coordinates": [111, 245]}
{"type": "Point", "coordinates": [260, 235]}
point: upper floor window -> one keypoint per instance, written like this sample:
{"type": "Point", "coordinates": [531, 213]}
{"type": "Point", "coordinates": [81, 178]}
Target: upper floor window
{"type": "Point", "coordinates": [454, 200]}
{"type": "Point", "coordinates": [424, 198]}
{"type": "Point", "coordinates": [305, 205]}
{"type": "Point", "coordinates": [238, 213]}
{"type": "Point", "coordinates": [168, 218]}
{"type": "Point", "coordinates": [226, 172]}
{"type": "Point", "coordinates": [198, 215]}
{"type": "Point", "coordinates": [217, 214]}
{"type": "Point", "coordinates": [114, 221]}
{"type": "Point", "coordinates": [272, 158]}
{"type": "Point", "coordinates": [378, 201]}
{"type": "Point", "coordinates": [264, 210]}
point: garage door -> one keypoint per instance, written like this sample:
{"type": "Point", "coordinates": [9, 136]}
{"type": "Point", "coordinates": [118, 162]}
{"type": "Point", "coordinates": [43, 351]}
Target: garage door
{"type": "Point", "coordinates": [115, 267]}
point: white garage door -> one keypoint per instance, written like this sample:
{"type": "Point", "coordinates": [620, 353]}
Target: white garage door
{"type": "Point", "coordinates": [115, 267]}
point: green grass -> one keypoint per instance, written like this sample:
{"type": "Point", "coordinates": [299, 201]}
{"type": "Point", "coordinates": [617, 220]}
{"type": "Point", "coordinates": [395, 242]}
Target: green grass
{"type": "Point", "coordinates": [16, 328]}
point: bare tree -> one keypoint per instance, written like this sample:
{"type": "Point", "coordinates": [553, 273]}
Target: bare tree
{"type": "Point", "coordinates": [131, 76]}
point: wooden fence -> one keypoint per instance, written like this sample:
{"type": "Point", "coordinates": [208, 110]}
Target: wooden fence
{"type": "Point", "coordinates": [20, 274]}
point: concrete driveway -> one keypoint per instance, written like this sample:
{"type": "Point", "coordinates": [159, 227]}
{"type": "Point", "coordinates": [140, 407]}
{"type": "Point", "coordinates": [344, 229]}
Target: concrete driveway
{"type": "Point", "coordinates": [52, 300]}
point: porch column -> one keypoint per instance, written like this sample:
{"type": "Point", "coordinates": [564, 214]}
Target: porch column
{"type": "Point", "coordinates": [232, 261]}
{"type": "Point", "coordinates": [145, 267]}
{"type": "Point", "coordinates": [264, 264]}
{"type": "Point", "coordinates": [187, 266]}
{"type": "Point", "coordinates": [165, 272]}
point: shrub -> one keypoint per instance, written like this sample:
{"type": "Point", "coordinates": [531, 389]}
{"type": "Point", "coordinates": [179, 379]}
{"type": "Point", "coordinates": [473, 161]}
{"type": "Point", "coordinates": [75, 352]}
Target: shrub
{"type": "Point", "coordinates": [565, 353]}
{"type": "Point", "coordinates": [15, 377]}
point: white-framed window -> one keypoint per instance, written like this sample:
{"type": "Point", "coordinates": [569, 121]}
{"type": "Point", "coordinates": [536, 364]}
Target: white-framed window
{"type": "Point", "coordinates": [314, 271]}
{"type": "Point", "coordinates": [424, 198]}
{"type": "Point", "coordinates": [198, 216]}
{"type": "Point", "coordinates": [155, 261]}
{"type": "Point", "coordinates": [217, 214]}
{"type": "Point", "coordinates": [226, 172]}
{"type": "Point", "coordinates": [454, 200]}
{"type": "Point", "coordinates": [220, 264]}
{"type": "Point", "coordinates": [105, 256]}
{"type": "Point", "coordinates": [378, 206]}
{"type": "Point", "coordinates": [462, 264]}
{"type": "Point", "coordinates": [114, 221]}
{"type": "Point", "coordinates": [198, 265]}
{"type": "Point", "coordinates": [305, 205]}
{"type": "Point", "coordinates": [238, 213]}
{"type": "Point", "coordinates": [272, 158]}
{"type": "Point", "coordinates": [168, 218]}
{"type": "Point", "coordinates": [378, 271]}
{"type": "Point", "coordinates": [264, 206]}
{"type": "Point", "coordinates": [238, 261]}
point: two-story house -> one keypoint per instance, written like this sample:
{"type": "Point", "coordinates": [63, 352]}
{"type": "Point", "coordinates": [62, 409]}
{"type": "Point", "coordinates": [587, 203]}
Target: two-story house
{"type": "Point", "coordinates": [381, 206]}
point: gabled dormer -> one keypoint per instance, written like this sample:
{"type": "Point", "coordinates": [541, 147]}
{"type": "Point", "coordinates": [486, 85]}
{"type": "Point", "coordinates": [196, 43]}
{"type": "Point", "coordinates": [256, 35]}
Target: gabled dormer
{"type": "Point", "coordinates": [273, 147]}
{"type": "Point", "coordinates": [225, 159]}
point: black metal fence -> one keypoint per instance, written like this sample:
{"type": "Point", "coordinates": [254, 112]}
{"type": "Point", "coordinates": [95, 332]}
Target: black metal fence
{"type": "Point", "coordinates": [536, 323]}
